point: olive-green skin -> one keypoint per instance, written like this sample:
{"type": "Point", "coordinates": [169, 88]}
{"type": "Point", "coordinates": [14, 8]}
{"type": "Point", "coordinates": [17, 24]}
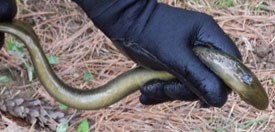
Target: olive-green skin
{"type": "Point", "coordinates": [235, 75]}
{"type": "Point", "coordinates": [130, 81]}
{"type": "Point", "coordinates": [100, 97]}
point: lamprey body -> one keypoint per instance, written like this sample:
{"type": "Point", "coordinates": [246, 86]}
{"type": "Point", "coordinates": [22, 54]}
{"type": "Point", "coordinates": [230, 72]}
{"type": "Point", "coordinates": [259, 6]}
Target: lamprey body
{"type": "Point", "coordinates": [245, 82]}
{"type": "Point", "coordinates": [100, 97]}
{"type": "Point", "coordinates": [235, 75]}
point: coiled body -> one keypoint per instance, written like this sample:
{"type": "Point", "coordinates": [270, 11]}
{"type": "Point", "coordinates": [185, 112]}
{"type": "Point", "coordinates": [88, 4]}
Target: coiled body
{"type": "Point", "coordinates": [124, 84]}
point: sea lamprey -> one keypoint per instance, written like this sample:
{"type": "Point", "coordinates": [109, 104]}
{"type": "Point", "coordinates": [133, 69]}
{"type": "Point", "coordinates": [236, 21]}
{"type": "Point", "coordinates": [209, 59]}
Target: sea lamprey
{"type": "Point", "coordinates": [236, 75]}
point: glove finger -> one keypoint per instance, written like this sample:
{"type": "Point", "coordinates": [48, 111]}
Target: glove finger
{"type": "Point", "coordinates": [8, 10]}
{"type": "Point", "coordinates": [187, 67]}
{"type": "Point", "coordinates": [159, 91]}
{"type": "Point", "coordinates": [178, 91]}
{"type": "Point", "coordinates": [211, 33]}
{"type": "Point", "coordinates": [2, 39]}
{"type": "Point", "coordinates": [149, 101]}
{"type": "Point", "coordinates": [154, 90]}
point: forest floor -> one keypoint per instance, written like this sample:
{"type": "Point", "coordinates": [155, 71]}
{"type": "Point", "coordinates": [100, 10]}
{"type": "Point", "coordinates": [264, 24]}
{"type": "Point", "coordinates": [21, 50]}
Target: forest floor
{"type": "Point", "coordinates": [77, 46]}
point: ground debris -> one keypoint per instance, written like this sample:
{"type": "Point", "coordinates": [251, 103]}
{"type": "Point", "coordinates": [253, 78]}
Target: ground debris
{"type": "Point", "coordinates": [34, 111]}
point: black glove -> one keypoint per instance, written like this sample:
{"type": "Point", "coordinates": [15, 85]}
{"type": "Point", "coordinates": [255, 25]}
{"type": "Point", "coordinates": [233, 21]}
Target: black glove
{"type": "Point", "coordinates": [7, 12]}
{"type": "Point", "coordinates": [161, 37]}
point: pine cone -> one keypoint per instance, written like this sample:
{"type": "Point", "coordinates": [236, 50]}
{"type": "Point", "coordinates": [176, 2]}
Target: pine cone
{"type": "Point", "coordinates": [34, 111]}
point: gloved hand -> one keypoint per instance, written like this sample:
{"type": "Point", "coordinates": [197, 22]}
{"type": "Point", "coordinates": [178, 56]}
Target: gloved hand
{"type": "Point", "coordinates": [161, 37]}
{"type": "Point", "coordinates": [7, 12]}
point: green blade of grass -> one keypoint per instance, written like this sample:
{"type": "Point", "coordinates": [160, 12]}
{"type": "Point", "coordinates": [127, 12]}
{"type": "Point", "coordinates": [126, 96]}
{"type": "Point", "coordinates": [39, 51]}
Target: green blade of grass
{"type": "Point", "coordinates": [29, 68]}
{"type": "Point", "coordinates": [62, 106]}
{"type": "Point", "coordinates": [87, 76]}
{"type": "Point", "coordinates": [62, 127]}
{"type": "Point", "coordinates": [53, 60]}
{"type": "Point", "coordinates": [14, 47]}
{"type": "Point", "coordinates": [4, 79]}
{"type": "Point", "coordinates": [251, 122]}
{"type": "Point", "coordinates": [83, 126]}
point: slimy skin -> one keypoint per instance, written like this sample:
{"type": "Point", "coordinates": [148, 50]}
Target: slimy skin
{"type": "Point", "coordinates": [97, 98]}
{"type": "Point", "coordinates": [235, 75]}
{"type": "Point", "coordinates": [247, 86]}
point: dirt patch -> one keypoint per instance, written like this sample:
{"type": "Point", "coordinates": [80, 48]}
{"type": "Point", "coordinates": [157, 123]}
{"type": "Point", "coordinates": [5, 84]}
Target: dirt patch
{"type": "Point", "coordinates": [14, 86]}
{"type": "Point", "coordinates": [265, 56]}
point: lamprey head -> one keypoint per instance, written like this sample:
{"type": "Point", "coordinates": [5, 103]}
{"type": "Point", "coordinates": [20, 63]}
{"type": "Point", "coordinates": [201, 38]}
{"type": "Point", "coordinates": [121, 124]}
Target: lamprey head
{"type": "Point", "coordinates": [235, 75]}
